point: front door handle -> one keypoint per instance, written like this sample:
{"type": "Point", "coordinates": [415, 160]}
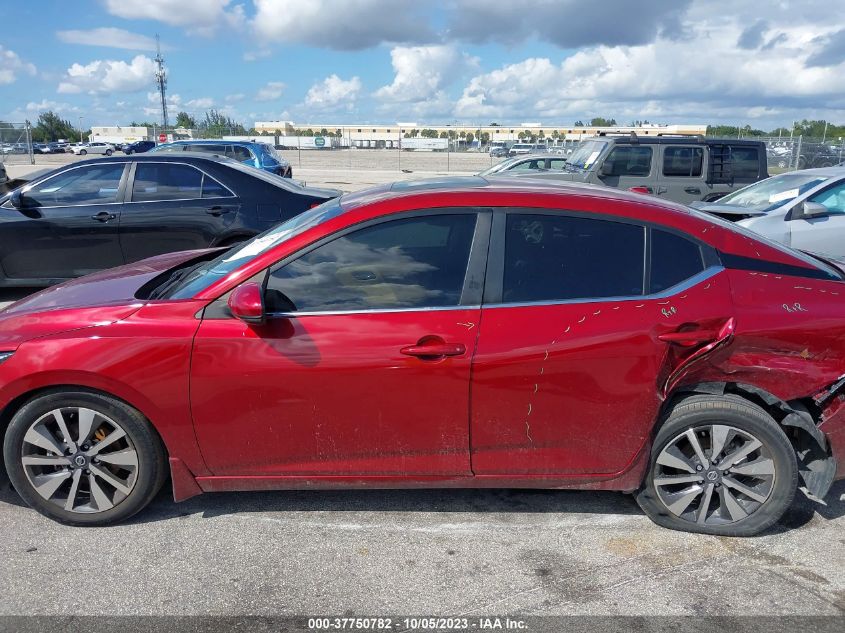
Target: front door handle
{"type": "Point", "coordinates": [103, 216]}
{"type": "Point", "coordinates": [217, 210]}
{"type": "Point", "coordinates": [433, 348]}
{"type": "Point", "coordinates": [693, 190]}
{"type": "Point", "coordinates": [689, 338]}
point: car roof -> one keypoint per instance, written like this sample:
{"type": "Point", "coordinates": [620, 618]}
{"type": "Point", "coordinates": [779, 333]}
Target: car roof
{"type": "Point", "coordinates": [674, 140]}
{"type": "Point", "coordinates": [161, 157]}
{"type": "Point", "coordinates": [211, 141]}
{"type": "Point", "coordinates": [458, 185]}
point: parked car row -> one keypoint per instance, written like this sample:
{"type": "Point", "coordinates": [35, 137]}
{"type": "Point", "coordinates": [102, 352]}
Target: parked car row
{"type": "Point", "coordinates": [99, 213]}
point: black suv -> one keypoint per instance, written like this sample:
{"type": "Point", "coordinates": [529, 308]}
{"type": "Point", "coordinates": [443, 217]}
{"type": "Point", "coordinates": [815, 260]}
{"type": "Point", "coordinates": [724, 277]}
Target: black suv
{"type": "Point", "coordinates": [683, 169]}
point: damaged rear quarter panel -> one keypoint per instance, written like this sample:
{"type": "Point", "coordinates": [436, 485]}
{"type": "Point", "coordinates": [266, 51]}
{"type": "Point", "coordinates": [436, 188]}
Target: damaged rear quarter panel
{"type": "Point", "coordinates": [789, 338]}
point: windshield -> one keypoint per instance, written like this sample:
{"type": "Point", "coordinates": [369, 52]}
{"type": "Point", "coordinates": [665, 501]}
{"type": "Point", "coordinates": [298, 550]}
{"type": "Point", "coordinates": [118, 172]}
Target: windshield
{"type": "Point", "coordinates": [773, 192]}
{"type": "Point", "coordinates": [585, 154]}
{"type": "Point", "coordinates": [495, 169]}
{"type": "Point", "coordinates": [209, 272]}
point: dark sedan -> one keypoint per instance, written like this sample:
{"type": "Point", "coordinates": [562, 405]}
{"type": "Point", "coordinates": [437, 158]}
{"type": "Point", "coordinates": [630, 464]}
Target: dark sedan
{"type": "Point", "coordinates": [138, 147]}
{"type": "Point", "coordinates": [100, 213]}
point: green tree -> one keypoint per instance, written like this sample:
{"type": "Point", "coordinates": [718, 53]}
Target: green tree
{"type": "Point", "coordinates": [216, 124]}
{"type": "Point", "coordinates": [602, 122]}
{"type": "Point", "coordinates": [51, 127]}
{"type": "Point", "coordinates": [183, 119]}
{"type": "Point", "coordinates": [469, 137]}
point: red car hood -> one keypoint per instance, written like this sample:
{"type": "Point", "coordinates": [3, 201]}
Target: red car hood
{"type": "Point", "coordinates": [98, 299]}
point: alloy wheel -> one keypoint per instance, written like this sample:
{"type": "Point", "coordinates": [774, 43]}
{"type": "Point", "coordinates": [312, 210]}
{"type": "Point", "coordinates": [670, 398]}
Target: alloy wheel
{"type": "Point", "coordinates": [79, 459]}
{"type": "Point", "coordinates": [714, 475]}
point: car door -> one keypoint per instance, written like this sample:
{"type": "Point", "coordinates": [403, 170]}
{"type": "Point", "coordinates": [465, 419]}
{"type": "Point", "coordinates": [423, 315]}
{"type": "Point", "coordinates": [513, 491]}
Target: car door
{"type": "Point", "coordinates": [628, 166]}
{"type": "Point", "coordinates": [825, 234]}
{"type": "Point", "coordinates": [570, 367]}
{"type": "Point", "coordinates": [174, 207]}
{"type": "Point", "coordinates": [681, 173]}
{"type": "Point", "coordinates": [363, 368]}
{"type": "Point", "coordinates": [67, 225]}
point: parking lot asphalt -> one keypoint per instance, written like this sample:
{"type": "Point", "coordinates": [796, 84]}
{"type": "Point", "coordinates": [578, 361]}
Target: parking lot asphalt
{"type": "Point", "coordinates": [435, 552]}
{"type": "Point", "coordinates": [432, 552]}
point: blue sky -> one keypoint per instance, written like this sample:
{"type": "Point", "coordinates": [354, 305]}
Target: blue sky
{"type": "Point", "coordinates": [762, 63]}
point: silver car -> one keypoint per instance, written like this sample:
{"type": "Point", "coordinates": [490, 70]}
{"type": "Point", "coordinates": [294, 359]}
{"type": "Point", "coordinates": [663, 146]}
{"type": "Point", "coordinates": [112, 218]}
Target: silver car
{"type": "Point", "coordinates": [93, 148]}
{"type": "Point", "coordinates": [802, 209]}
{"type": "Point", "coordinates": [525, 164]}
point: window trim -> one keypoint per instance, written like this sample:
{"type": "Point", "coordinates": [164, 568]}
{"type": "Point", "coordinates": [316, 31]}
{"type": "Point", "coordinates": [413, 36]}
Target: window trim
{"type": "Point", "coordinates": [119, 196]}
{"type": "Point", "coordinates": [474, 278]}
{"type": "Point", "coordinates": [130, 189]}
{"type": "Point", "coordinates": [494, 285]}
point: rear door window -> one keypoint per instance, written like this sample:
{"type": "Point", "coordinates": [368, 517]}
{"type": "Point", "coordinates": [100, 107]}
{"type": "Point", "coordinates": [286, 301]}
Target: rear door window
{"type": "Point", "coordinates": [239, 153]}
{"type": "Point", "coordinates": [559, 258]}
{"type": "Point", "coordinates": [682, 161]}
{"type": "Point", "coordinates": [630, 160]}
{"type": "Point", "coordinates": [165, 181]}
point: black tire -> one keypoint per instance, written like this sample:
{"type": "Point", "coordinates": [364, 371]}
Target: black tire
{"type": "Point", "coordinates": [701, 412]}
{"type": "Point", "coordinates": [108, 152]}
{"type": "Point", "coordinates": [151, 457]}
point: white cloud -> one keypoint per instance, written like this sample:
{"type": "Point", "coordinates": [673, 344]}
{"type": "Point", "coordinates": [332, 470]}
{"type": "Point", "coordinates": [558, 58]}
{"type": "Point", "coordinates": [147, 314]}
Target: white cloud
{"type": "Point", "coordinates": [234, 98]}
{"type": "Point", "coordinates": [203, 103]}
{"type": "Point", "coordinates": [340, 24]}
{"type": "Point", "coordinates": [333, 93]}
{"type": "Point", "coordinates": [11, 65]}
{"type": "Point", "coordinates": [665, 78]}
{"type": "Point", "coordinates": [198, 16]}
{"type": "Point", "coordinates": [109, 37]}
{"type": "Point", "coordinates": [270, 92]}
{"type": "Point", "coordinates": [109, 76]}
{"type": "Point", "coordinates": [423, 72]}
{"type": "Point", "coordinates": [54, 106]}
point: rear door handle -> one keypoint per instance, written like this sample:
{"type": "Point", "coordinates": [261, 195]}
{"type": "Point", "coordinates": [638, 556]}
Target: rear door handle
{"type": "Point", "coordinates": [693, 190]}
{"type": "Point", "coordinates": [217, 210]}
{"type": "Point", "coordinates": [434, 350]}
{"type": "Point", "coordinates": [689, 338]}
{"type": "Point", "coordinates": [103, 216]}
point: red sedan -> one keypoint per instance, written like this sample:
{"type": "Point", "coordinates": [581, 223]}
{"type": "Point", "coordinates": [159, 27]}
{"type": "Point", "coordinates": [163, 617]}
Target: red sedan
{"type": "Point", "coordinates": [455, 333]}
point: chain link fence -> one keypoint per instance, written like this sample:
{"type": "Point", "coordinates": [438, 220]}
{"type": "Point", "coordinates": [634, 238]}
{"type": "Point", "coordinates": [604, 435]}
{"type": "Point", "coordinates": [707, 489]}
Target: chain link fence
{"type": "Point", "coordinates": [802, 152]}
{"type": "Point", "coordinates": [16, 143]}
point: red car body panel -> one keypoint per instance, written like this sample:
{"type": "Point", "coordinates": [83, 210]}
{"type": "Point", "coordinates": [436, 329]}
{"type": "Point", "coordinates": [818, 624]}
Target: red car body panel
{"type": "Point", "coordinates": [559, 395]}
{"type": "Point", "coordinates": [552, 384]}
{"type": "Point", "coordinates": [333, 395]}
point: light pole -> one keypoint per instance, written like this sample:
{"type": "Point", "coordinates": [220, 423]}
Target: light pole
{"type": "Point", "coordinates": [80, 128]}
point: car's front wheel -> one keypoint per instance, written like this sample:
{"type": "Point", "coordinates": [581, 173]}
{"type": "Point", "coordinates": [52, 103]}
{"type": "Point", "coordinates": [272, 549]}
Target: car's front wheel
{"type": "Point", "coordinates": [83, 458]}
{"type": "Point", "coordinates": [82, 152]}
{"type": "Point", "coordinates": [719, 465]}
{"type": "Point", "coordinates": [108, 152]}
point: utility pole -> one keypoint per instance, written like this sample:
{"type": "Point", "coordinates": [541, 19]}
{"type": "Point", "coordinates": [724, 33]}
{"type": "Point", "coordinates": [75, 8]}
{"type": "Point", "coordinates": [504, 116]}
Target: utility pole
{"type": "Point", "coordinates": [161, 82]}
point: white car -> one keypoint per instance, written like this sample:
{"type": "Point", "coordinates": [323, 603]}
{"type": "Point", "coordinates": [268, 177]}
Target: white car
{"type": "Point", "coordinates": [803, 209]}
{"type": "Point", "coordinates": [93, 148]}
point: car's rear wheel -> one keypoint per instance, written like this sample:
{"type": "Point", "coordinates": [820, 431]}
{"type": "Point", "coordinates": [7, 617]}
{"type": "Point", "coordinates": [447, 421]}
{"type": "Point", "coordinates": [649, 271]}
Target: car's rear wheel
{"type": "Point", "coordinates": [82, 152]}
{"type": "Point", "coordinates": [108, 152]}
{"type": "Point", "coordinates": [719, 465]}
{"type": "Point", "coordinates": [83, 458]}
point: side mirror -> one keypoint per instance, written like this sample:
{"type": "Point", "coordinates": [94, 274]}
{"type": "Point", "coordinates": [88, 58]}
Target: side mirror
{"type": "Point", "coordinates": [606, 168]}
{"type": "Point", "coordinates": [16, 200]}
{"type": "Point", "coordinates": [247, 303]}
{"type": "Point", "coordinates": [812, 210]}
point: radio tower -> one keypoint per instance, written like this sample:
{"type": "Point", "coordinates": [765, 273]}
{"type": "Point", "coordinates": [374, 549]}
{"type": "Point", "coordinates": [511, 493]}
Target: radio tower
{"type": "Point", "coordinates": [161, 82]}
